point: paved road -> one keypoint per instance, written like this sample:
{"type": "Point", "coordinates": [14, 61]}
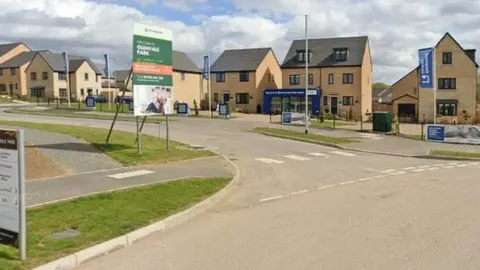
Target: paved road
{"type": "Point", "coordinates": [303, 206]}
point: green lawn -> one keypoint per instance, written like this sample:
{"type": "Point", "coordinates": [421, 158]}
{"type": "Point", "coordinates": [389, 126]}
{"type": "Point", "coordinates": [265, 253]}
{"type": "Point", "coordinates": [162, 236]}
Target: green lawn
{"type": "Point", "coordinates": [454, 154]}
{"type": "Point", "coordinates": [122, 145]}
{"type": "Point", "coordinates": [300, 136]}
{"type": "Point", "coordinates": [102, 217]}
{"type": "Point", "coordinates": [101, 107]}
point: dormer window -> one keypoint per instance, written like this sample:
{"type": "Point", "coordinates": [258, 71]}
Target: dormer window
{"type": "Point", "coordinates": [301, 56]}
{"type": "Point", "coordinates": [340, 54]}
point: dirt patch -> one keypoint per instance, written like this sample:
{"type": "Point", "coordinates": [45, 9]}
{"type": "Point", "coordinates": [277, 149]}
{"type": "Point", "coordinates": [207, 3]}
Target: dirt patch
{"type": "Point", "coordinates": [40, 166]}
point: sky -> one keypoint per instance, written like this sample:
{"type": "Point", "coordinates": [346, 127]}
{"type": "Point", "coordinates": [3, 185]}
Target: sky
{"type": "Point", "coordinates": [396, 28]}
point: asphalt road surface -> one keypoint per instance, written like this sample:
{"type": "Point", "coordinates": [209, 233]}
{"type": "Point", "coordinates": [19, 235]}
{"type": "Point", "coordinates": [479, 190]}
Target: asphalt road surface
{"type": "Point", "coordinates": [303, 206]}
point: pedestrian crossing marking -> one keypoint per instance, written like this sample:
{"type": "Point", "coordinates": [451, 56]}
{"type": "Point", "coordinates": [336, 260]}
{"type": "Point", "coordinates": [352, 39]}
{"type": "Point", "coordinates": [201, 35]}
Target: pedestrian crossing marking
{"type": "Point", "coordinates": [318, 155]}
{"type": "Point", "coordinates": [269, 160]}
{"type": "Point", "coordinates": [295, 157]}
{"type": "Point", "coordinates": [343, 153]}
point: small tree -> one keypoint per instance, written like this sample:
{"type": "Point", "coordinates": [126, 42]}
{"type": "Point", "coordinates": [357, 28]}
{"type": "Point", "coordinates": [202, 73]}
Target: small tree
{"type": "Point", "coordinates": [466, 116]}
{"type": "Point", "coordinates": [195, 106]}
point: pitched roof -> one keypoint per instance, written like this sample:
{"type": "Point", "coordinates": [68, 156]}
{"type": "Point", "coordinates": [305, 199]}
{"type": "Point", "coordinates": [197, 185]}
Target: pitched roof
{"type": "Point", "coordinates": [182, 62]}
{"type": "Point", "coordinates": [239, 60]}
{"type": "Point", "coordinates": [5, 48]}
{"type": "Point", "coordinates": [18, 60]}
{"type": "Point", "coordinates": [322, 51]}
{"type": "Point", "coordinates": [469, 53]}
{"type": "Point", "coordinates": [55, 61]}
{"type": "Point", "coordinates": [381, 92]}
{"type": "Point", "coordinates": [121, 75]}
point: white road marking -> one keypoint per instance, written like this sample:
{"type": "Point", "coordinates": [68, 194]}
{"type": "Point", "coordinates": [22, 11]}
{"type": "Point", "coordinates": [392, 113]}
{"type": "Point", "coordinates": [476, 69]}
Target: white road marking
{"type": "Point", "coordinates": [299, 192]}
{"type": "Point", "coordinates": [452, 163]}
{"type": "Point", "coordinates": [439, 165]}
{"type": "Point", "coordinates": [325, 187]}
{"type": "Point", "coordinates": [130, 174]}
{"type": "Point", "coordinates": [409, 168]}
{"type": "Point", "coordinates": [389, 171]}
{"type": "Point", "coordinates": [448, 167]}
{"type": "Point", "coordinates": [379, 176]}
{"type": "Point", "coordinates": [424, 166]}
{"type": "Point", "coordinates": [462, 165]}
{"type": "Point", "coordinates": [295, 157]}
{"type": "Point", "coordinates": [419, 170]}
{"type": "Point", "coordinates": [318, 155]}
{"type": "Point", "coordinates": [433, 168]}
{"type": "Point", "coordinates": [346, 183]}
{"type": "Point", "coordinates": [473, 163]}
{"type": "Point", "coordinates": [399, 172]}
{"type": "Point", "coordinates": [271, 198]}
{"type": "Point", "coordinates": [342, 153]}
{"type": "Point", "coordinates": [365, 179]}
{"type": "Point", "coordinates": [269, 160]}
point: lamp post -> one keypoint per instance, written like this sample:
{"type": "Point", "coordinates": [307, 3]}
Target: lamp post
{"type": "Point", "coordinates": [307, 58]}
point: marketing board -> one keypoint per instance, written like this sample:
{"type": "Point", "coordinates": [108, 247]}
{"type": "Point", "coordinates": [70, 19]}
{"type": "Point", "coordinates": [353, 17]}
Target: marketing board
{"type": "Point", "coordinates": [152, 70]}
{"type": "Point", "coordinates": [465, 134]}
{"type": "Point", "coordinates": [12, 182]}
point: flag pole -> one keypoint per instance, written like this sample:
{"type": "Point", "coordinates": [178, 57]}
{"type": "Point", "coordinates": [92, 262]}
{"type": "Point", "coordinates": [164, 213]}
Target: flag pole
{"type": "Point", "coordinates": [434, 70]}
{"type": "Point", "coordinates": [307, 56]}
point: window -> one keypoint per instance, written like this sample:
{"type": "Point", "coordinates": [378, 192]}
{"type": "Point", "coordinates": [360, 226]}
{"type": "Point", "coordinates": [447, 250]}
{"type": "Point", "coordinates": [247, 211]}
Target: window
{"type": "Point", "coordinates": [447, 58]}
{"type": "Point", "coordinates": [447, 108]}
{"type": "Point", "coordinates": [243, 76]}
{"type": "Point", "coordinates": [221, 77]}
{"type": "Point", "coordinates": [82, 92]}
{"type": "Point", "coordinates": [182, 76]}
{"type": "Point", "coordinates": [1, 72]}
{"type": "Point", "coordinates": [90, 90]}
{"type": "Point", "coordinates": [340, 55]}
{"type": "Point", "coordinates": [347, 100]}
{"type": "Point", "coordinates": [310, 78]}
{"type": "Point", "coordinates": [33, 76]}
{"type": "Point", "coordinates": [44, 75]}
{"type": "Point", "coordinates": [330, 78]}
{"type": "Point", "coordinates": [325, 100]}
{"type": "Point", "coordinates": [294, 79]}
{"type": "Point", "coordinates": [13, 71]}
{"type": "Point", "coordinates": [62, 92]}
{"type": "Point", "coordinates": [3, 88]}
{"type": "Point", "coordinates": [37, 91]}
{"type": "Point", "coordinates": [242, 98]}
{"type": "Point", "coordinates": [347, 78]}
{"type": "Point", "coordinates": [301, 56]}
{"type": "Point", "coordinates": [447, 83]}
{"type": "Point", "coordinates": [86, 76]}
{"type": "Point", "coordinates": [62, 76]}
{"type": "Point", "coordinates": [215, 97]}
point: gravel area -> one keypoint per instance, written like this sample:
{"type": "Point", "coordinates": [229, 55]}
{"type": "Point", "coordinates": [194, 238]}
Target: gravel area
{"type": "Point", "coordinates": [75, 154]}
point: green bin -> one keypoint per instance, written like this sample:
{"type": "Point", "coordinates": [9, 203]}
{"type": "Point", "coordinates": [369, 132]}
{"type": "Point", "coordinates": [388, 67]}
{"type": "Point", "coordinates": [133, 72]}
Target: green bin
{"type": "Point", "coordinates": [382, 121]}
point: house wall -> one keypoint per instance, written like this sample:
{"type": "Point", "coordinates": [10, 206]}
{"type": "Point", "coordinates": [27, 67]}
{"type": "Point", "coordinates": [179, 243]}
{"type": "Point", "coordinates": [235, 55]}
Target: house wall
{"type": "Point", "coordinates": [188, 89]}
{"type": "Point", "coordinates": [78, 82]}
{"type": "Point", "coordinates": [233, 85]}
{"type": "Point", "coordinates": [8, 79]}
{"type": "Point", "coordinates": [465, 72]}
{"type": "Point", "coordinates": [38, 65]}
{"type": "Point", "coordinates": [406, 85]}
{"type": "Point", "coordinates": [366, 87]}
{"type": "Point", "coordinates": [14, 52]}
{"type": "Point", "coordinates": [268, 75]}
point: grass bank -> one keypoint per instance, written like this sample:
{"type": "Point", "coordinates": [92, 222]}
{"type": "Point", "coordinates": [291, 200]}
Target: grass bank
{"type": "Point", "coordinates": [300, 136]}
{"type": "Point", "coordinates": [102, 217]}
{"type": "Point", "coordinates": [122, 145]}
{"type": "Point", "coordinates": [453, 154]}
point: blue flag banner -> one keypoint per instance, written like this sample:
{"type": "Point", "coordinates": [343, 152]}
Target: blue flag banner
{"type": "Point", "coordinates": [65, 62]}
{"type": "Point", "coordinates": [425, 59]}
{"type": "Point", "coordinates": [206, 67]}
{"type": "Point", "coordinates": [107, 66]}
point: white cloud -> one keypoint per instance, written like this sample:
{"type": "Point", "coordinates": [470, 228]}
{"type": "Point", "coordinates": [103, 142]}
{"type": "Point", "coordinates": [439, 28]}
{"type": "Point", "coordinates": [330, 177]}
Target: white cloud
{"type": "Point", "coordinates": [397, 28]}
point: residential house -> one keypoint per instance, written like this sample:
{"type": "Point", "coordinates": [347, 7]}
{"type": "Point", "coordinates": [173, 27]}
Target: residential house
{"type": "Point", "coordinates": [10, 75]}
{"type": "Point", "coordinates": [341, 67]}
{"type": "Point", "coordinates": [239, 76]}
{"type": "Point", "coordinates": [456, 72]}
{"type": "Point", "coordinates": [187, 80]}
{"type": "Point", "coordinates": [381, 100]}
{"type": "Point", "coordinates": [46, 77]}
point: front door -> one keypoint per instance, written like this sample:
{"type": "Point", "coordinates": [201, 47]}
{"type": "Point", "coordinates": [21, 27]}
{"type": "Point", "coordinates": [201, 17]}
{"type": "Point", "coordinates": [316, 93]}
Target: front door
{"type": "Point", "coordinates": [226, 97]}
{"type": "Point", "coordinates": [334, 105]}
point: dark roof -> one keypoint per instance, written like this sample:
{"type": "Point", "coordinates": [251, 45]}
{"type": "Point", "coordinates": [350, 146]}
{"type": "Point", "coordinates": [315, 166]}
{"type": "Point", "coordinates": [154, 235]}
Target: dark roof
{"type": "Point", "coordinates": [18, 60]}
{"type": "Point", "coordinates": [55, 61]}
{"type": "Point", "coordinates": [322, 51]}
{"type": "Point", "coordinates": [5, 48]}
{"type": "Point", "coordinates": [181, 62]}
{"type": "Point", "coordinates": [239, 60]}
{"type": "Point", "coordinates": [381, 92]}
{"type": "Point", "coordinates": [467, 52]}
{"type": "Point", "coordinates": [121, 75]}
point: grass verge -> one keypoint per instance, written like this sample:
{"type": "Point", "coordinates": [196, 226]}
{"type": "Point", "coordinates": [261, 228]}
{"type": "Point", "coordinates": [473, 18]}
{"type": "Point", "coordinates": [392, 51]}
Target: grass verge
{"type": "Point", "coordinates": [122, 145]}
{"type": "Point", "coordinates": [102, 217]}
{"type": "Point", "coordinates": [453, 154]}
{"type": "Point", "coordinates": [300, 136]}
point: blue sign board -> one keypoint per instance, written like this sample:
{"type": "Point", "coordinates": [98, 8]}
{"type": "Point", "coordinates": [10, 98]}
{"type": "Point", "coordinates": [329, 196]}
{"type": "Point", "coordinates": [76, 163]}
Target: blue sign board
{"type": "Point", "coordinates": [131, 105]}
{"type": "Point", "coordinates": [435, 133]}
{"type": "Point", "coordinates": [90, 102]}
{"type": "Point", "coordinates": [286, 118]}
{"type": "Point", "coordinates": [206, 67]}
{"type": "Point", "coordinates": [223, 110]}
{"type": "Point", "coordinates": [182, 109]}
{"type": "Point", "coordinates": [107, 64]}
{"type": "Point", "coordinates": [425, 59]}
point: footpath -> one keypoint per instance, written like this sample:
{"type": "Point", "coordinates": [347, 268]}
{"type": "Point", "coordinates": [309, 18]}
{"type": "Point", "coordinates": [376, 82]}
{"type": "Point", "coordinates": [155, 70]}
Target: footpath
{"type": "Point", "coordinates": [61, 188]}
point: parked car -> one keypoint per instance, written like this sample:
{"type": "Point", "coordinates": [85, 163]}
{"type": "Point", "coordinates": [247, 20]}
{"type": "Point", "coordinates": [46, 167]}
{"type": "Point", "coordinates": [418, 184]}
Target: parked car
{"type": "Point", "coordinates": [101, 99]}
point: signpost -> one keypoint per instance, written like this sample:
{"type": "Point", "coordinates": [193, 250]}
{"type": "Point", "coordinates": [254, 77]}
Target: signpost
{"type": "Point", "coordinates": [426, 59]}
{"type": "Point", "coordinates": [12, 190]}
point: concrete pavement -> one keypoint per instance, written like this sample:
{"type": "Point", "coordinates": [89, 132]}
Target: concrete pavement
{"type": "Point", "coordinates": [303, 206]}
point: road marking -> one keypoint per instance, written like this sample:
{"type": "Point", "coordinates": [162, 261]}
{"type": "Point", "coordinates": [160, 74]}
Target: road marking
{"type": "Point", "coordinates": [129, 174]}
{"type": "Point", "coordinates": [365, 179]}
{"type": "Point", "coordinates": [419, 170]}
{"type": "Point", "coordinates": [473, 163]}
{"type": "Point", "coordinates": [462, 165]}
{"type": "Point", "coordinates": [299, 192]}
{"type": "Point", "coordinates": [424, 166]}
{"type": "Point", "coordinates": [439, 165]}
{"type": "Point", "coordinates": [452, 163]}
{"type": "Point", "coordinates": [295, 157]}
{"type": "Point", "coordinates": [409, 168]}
{"type": "Point", "coordinates": [342, 153]}
{"type": "Point", "coordinates": [325, 187]}
{"type": "Point", "coordinates": [346, 183]}
{"type": "Point", "coordinates": [379, 176]}
{"type": "Point", "coordinates": [389, 171]}
{"type": "Point", "coordinates": [399, 172]}
{"type": "Point", "coordinates": [271, 198]}
{"type": "Point", "coordinates": [433, 168]}
{"type": "Point", "coordinates": [448, 167]}
{"type": "Point", "coordinates": [269, 160]}
{"type": "Point", "coordinates": [318, 155]}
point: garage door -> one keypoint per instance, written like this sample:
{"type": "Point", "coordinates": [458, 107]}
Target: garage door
{"type": "Point", "coordinates": [407, 109]}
